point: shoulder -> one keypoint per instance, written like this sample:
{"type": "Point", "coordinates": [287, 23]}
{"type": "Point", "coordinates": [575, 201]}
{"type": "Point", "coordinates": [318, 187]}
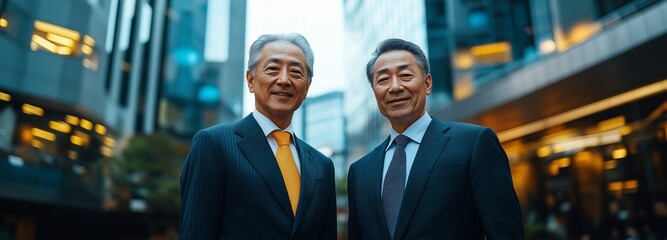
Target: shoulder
{"type": "Point", "coordinates": [465, 127]}
{"type": "Point", "coordinates": [468, 129]}
{"type": "Point", "coordinates": [215, 134]}
{"type": "Point", "coordinates": [363, 161]}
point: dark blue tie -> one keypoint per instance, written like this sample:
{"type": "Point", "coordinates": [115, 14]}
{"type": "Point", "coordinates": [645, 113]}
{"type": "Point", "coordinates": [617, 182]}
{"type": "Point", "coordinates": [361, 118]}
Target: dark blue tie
{"type": "Point", "coordinates": [394, 184]}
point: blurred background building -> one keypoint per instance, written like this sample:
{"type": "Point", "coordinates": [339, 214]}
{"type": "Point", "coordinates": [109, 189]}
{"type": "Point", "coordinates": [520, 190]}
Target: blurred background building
{"type": "Point", "coordinates": [79, 80]}
{"type": "Point", "coordinates": [99, 99]}
{"type": "Point", "coordinates": [575, 89]}
{"type": "Point", "coordinates": [366, 24]}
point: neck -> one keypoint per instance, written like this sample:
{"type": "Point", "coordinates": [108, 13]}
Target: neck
{"type": "Point", "coordinates": [400, 126]}
{"type": "Point", "coordinates": [282, 121]}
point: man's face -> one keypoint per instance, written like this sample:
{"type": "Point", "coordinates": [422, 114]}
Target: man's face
{"type": "Point", "coordinates": [280, 82]}
{"type": "Point", "coordinates": [400, 87]}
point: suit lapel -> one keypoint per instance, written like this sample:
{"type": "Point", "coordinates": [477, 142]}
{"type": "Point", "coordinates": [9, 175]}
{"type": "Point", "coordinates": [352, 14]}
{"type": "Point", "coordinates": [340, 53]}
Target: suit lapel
{"type": "Point", "coordinates": [258, 152]}
{"type": "Point", "coordinates": [375, 182]}
{"type": "Point", "coordinates": [434, 142]}
{"type": "Point", "coordinates": [308, 170]}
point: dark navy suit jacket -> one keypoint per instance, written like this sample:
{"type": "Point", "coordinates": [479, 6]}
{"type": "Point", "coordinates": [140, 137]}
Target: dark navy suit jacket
{"type": "Point", "coordinates": [232, 188]}
{"type": "Point", "coordinates": [459, 187]}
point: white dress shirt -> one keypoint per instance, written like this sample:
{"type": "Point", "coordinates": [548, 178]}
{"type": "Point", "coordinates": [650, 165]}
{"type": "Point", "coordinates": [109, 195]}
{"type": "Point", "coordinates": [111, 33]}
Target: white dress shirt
{"type": "Point", "coordinates": [268, 126]}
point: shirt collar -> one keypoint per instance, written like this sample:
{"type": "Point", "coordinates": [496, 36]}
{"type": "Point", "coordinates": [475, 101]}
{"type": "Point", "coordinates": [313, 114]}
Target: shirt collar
{"type": "Point", "coordinates": [268, 126]}
{"type": "Point", "coordinates": [415, 131]}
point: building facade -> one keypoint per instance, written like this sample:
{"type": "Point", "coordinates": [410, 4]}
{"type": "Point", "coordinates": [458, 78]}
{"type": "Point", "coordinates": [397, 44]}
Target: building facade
{"type": "Point", "coordinates": [203, 68]}
{"type": "Point", "coordinates": [576, 92]}
{"type": "Point", "coordinates": [367, 23]}
{"type": "Point", "coordinates": [78, 78]}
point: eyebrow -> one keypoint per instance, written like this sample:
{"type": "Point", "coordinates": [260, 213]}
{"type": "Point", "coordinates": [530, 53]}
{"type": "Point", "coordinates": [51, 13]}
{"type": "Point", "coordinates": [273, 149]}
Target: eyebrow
{"type": "Point", "coordinates": [278, 60]}
{"type": "Point", "coordinates": [385, 70]}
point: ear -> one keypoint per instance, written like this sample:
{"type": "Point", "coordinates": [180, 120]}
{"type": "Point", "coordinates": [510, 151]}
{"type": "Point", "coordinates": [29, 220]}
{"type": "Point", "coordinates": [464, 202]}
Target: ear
{"type": "Point", "coordinates": [429, 84]}
{"type": "Point", "coordinates": [250, 80]}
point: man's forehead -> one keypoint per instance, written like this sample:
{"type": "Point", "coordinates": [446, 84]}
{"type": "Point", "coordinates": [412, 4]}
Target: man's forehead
{"type": "Point", "coordinates": [284, 59]}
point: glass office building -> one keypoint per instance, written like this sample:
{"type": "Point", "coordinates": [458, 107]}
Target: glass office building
{"type": "Point", "coordinates": [324, 127]}
{"type": "Point", "coordinates": [78, 78]}
{"type": "Point", "coordinates": [576, 91]}
{"type": "Point", "coordinates": [367, 23]}
{"type": "Point", "coordinates": [203, 66]}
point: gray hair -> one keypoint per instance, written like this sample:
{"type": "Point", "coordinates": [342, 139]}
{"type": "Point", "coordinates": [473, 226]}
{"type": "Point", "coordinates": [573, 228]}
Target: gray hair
{"type": "Point", "coordinates": [297, 39]}
{"type": "Point", "coordinates": [395, 44]}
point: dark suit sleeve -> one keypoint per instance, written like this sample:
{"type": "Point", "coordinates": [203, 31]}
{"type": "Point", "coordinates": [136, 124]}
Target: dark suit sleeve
{"type": "Point", "coordinates": [352, 221]}
{"type": "Point", "coordinates": [493, 191]}
{"type": "Point", "coordinates": [201, 190]}
{"type": "Point", "coordinates": [330, 220]}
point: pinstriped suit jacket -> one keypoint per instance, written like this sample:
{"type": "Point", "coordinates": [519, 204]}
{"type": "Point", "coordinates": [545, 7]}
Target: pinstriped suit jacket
{"type": "Point", "coordinates": [232, 188]}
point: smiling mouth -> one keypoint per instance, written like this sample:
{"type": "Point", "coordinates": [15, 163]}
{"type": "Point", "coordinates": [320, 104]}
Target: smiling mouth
{"type": "Point", "coordinates": [283, 94]}
{"type": "Point", "coordinates": [398, 100]}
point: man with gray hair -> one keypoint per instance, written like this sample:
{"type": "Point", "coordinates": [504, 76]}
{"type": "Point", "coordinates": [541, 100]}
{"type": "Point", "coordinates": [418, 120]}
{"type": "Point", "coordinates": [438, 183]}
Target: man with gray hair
{"type": "Point", "coordinates": [254, 179]}
{"type": "Point", "coordinates": [429, 179]}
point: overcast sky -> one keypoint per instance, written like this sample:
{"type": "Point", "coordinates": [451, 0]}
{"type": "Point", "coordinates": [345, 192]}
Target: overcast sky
{"type": "Point", "coordinates": [321, 22]}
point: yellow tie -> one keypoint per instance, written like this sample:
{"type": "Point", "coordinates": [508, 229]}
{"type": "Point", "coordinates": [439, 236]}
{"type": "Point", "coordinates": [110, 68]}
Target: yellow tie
{"type": "Point", "coordinates": [288, 167]}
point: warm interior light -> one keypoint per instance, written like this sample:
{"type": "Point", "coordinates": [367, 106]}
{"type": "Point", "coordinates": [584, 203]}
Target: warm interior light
{"type": "Point", "coordinates": [85, 124]}
{"type": "Point", "coordinates": [5, 97]}
{"type": "Point", "coordinates": [619, 153]}
{"type": "Point", "coordinates": [464, 86]}
{"type": "Point", "coordinates": [493, 53]}
{"type": "Point", "coordinates": [64, 51]}
{"type": "Point", "coordinates": [32, 110]}
{"type": "Point", "coordinates": [46, 44]}
{"type": "Point", "coordinates": [71, 154]}
{"type": "Point", "coordinates": [583, 156]}
{"type": "Point", "coordinates": [611, 123]}
{"type": "Point", "coordinates": [492, 48]}
{"type": "Point", "coordinates": [3, 23]}
{"type": "Point", "coordinates": [36, 144]}
{"type": "Point", "coordinates": [76, 140]}
{"type": "Point", "coordinates": [86, 49]}
{"type": "Point", "coordinates": [60, 39]}
{"type": "Point", "coordinates": [106, 151]}
{"type": "Point", "coordinates": [631, 184]}
{"type": "Point", "coordinates": [43, 134]}
{"type": "Point", "coordinates": [611, 164]}
{"type": "Point", "coordinates": [625, 130]}
{"type": "Point", "coordinates": [51, 28]}
{"type": "Point", "coordinates": [60, 126]}
{"type": "Point", "coordinates": [88, 40]}
{"type": "Point", "coordinates": [615, 186]}
{"type": "Point", "coordinates": [109, 141]}
{"type": "Point", "coordinates": [101, 129]}
{"type": "Point", "coordinates": [72, 120]}
{"type": "Point", "coordinates": [562, 147]}
{"type": "Point", "coordinates": [563, 162]}
{"type": "Point", "coordinates": [554, 169]}
{"type": "Point", "coordinates": [547, 46]}
{"type": "Point", "coordinates": [586, 110]}
{"type": "Point", "coordinates": [544, 151]}
{"type": "Point", "coordinates": [581, 32]}
{"type": "Point", "coordinates": [85, 137]}
{"type": "Point", "coordinates": [90, 64]}
{"type": "Point", "coordinates": [463, 60]}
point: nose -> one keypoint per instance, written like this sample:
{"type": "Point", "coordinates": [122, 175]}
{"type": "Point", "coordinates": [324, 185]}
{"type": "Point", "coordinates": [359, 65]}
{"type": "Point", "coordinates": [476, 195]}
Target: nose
{"type": "Point", "coordinates": [283, 77]}
{"type": "Point", "coordinates": [396, 85]}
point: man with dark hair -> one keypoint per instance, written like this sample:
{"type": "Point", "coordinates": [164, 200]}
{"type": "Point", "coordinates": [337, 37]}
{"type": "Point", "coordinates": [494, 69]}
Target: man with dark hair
{"type": "Point", "coordinates": [429, 179]}
{"type": "Point", "coordinates": [254, 179]}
